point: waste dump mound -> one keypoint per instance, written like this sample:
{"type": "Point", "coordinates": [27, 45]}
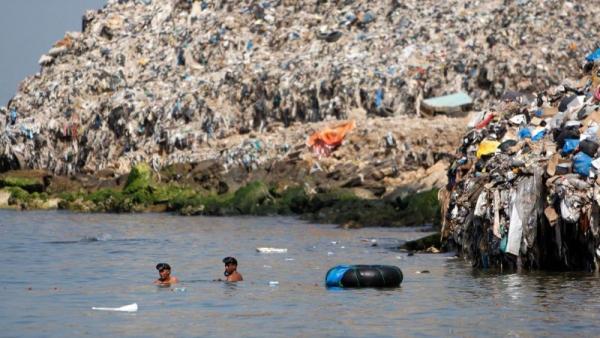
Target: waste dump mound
{"type": "Point", "coordinates": [160, 81]}
{"type": "Point", "coordinates": [525, 189]}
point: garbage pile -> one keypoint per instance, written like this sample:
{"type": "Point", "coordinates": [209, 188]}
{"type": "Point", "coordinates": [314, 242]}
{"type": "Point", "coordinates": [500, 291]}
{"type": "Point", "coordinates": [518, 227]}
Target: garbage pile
{"type": "Point", "coordinates": [524, 191]}
{"type": "Point", "coordinates": [160, 80]}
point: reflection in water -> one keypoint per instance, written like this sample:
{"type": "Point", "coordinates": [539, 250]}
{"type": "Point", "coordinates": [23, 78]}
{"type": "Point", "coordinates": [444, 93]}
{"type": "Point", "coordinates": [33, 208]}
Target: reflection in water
{"type": "Point", "coordinates": [62, 264]}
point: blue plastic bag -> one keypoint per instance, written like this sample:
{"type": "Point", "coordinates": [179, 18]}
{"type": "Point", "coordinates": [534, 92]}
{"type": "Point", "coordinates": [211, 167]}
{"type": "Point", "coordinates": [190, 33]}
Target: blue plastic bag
{"type": "Point", "coordinates": [524, 133]}
{"type": "Point", "coordinates": [539, 135]}
{"type": "Point", "coordinates": [570, 145]}
{"type": "Point", "coordinates": [582, 163]}
{"type": "Point", "coordinates": [595, 55]}
{"type": "Point", "coordinates": [378, 98]}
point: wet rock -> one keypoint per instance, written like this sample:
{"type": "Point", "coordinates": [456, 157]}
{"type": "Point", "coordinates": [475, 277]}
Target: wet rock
{"type": "Point", "coordinates": [423, 244]}
{"type": "Point", "coordinates": [29, 180]}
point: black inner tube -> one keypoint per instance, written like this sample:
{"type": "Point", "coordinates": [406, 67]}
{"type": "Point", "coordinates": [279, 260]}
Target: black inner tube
{"type": "Point", "coordinates": [364, 276]}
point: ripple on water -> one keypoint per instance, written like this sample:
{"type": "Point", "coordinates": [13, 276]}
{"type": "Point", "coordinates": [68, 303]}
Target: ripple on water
{"type": "Point", "coordinates": [109, 260]}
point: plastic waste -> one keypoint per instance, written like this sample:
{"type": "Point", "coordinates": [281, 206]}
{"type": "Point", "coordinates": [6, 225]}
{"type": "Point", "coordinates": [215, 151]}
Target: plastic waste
{"type": "Point", "coordinates": [448, 103]}
{"type": "Point", "coordinates": [126, 308]}
{"type": "Point", "coordinates": [327, 140]}
{"type": "Point", "coordinates": [582, 163]}
{"type": "Point", "coordinates": [272, 250]}
{"type": "Point", "coordinates": [593, 56]}
{"type": "Point", "coordinates": [570, 145]}
{"type": "Point", "coordinates": [487, 147]}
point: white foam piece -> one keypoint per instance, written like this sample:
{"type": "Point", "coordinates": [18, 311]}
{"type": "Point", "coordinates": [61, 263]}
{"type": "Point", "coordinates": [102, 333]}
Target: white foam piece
{"type": "Point", "coordinates": [271, 250]}
{"type": "Point", "coordinates": [126, 308]}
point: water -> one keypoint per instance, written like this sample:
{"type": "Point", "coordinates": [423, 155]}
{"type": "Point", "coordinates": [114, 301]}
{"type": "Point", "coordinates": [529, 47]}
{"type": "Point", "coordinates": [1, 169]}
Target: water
{"type": "Point", "coordinates": [56, 266]}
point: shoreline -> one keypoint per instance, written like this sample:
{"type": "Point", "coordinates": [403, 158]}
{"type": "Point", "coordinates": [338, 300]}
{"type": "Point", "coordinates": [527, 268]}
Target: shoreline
{"type": "Point", "coordinates": [143, 191]}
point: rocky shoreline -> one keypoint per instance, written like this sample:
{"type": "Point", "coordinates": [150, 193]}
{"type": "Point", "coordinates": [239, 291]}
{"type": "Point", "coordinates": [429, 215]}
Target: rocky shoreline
{"type": "Point", "coordinates": [143, 191]}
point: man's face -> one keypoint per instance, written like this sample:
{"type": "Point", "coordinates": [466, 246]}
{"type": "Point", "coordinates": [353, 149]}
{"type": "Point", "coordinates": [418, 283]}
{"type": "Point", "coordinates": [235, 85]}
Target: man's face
{"type": "Point", "coordinates": [164, 273]}
{"type": "Point", "coordinates": [230, 268]}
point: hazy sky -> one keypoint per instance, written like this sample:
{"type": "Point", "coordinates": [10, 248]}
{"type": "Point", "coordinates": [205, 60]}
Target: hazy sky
{"type": "Point", "coordinates": [28, 28]}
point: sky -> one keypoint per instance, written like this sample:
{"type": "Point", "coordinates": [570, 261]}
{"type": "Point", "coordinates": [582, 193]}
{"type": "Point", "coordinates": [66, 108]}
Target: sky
{"type": "Point", "coordinates": [28, 29]}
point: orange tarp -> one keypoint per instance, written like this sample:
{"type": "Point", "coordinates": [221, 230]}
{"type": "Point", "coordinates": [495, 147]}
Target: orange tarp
{"type": "Point", "coordinates": [324, 141]}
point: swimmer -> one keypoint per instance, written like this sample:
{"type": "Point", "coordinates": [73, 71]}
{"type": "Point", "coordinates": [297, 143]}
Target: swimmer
{"type": "Point", "coordinates": [231, 273]}
{"type": "Point", "coordinates": [164, 270]}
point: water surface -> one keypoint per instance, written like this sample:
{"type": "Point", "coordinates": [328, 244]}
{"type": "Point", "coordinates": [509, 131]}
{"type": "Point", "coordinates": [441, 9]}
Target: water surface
{"type": "Point", "coordinates": [56, 266]}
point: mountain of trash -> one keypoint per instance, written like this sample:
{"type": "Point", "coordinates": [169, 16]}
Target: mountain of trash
{"type": "Point", "coordinates": [159, 81]}
{"type": "Point", "coordinates": [525, 189]}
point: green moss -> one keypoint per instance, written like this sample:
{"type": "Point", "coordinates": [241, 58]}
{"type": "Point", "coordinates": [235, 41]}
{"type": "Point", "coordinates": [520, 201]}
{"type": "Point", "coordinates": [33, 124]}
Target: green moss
{"type": "Point", "coordinates": [109, 200]}
{"type": "Point", "coordinates": [167, 193]}
{"type": "Point", "coordinates": [420, 208]}
{"type": "Point", "coordinates": [293, 200]}
{"type": "Point", "coordinates": [28, 184]}
{"type": "Point", "coordinates": [18, 195]}
{"type": "Point", "coordinates": [69, 196]}
{"type": "Point", "coordinates": [332, 198]}
{"type": "Point", "coordinates": [139, 178]}
{"type": "Point", "coordinates": [254, 199]}
{"type": "Point", "coordinates": [341, 207]}
{"type": "Point", "coordinates": [203, 204]}
{"type": "Point", "coordinates": [363, 212]}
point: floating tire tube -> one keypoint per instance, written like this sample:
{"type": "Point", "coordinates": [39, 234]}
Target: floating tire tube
{"type": "Point", "coordinates": [364, 276]}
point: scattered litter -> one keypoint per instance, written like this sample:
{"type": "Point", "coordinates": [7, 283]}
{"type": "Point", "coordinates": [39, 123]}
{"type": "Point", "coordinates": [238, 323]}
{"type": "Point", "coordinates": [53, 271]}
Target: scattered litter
{"type": "Point", "coordinates": [126, 308]}
{"type": "Point", "coordinates": [327, 140]}
{"type": "Point", "coordinates": [272, 250]}
{"type": "Point", "coordinates": [162, 81]}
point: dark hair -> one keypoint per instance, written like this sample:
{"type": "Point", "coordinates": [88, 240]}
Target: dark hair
{"type": "Point", "coordinates": [162, 266]}
{"type": "Point", "coordinates": [229, 260]}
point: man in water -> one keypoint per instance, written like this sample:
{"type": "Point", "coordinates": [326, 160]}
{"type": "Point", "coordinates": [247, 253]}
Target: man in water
{"type": "Point", "coordinates": [231, 273]}
{"type": "Point", "coordinates": [164, 270]}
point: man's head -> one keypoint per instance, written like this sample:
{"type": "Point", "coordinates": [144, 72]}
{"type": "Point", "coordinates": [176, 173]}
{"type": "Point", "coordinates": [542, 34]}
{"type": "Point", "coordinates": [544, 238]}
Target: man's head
{"type": "Point", "coordinates": [230, 265]}
{"type": "Point", "coordinates": [164, 270]}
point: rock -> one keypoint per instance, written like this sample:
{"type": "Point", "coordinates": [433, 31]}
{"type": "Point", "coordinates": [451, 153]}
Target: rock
{"type": "Point", "coordinates": [4, 196]}
{"type": "Point", "coordinates": [423, 244]}
{"type": "Point", "coordinates": [29, 180]}
{"type": "Point", "coordinates": [350, 225]}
